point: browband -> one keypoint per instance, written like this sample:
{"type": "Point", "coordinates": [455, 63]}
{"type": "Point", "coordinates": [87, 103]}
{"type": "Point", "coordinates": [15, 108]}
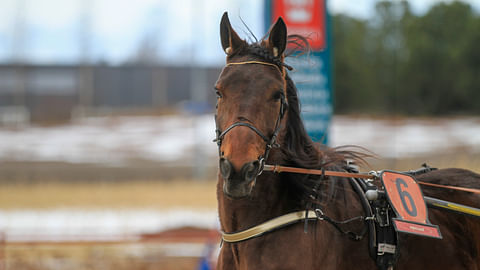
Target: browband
{"type": "Point", "coordinates": [254, 62]}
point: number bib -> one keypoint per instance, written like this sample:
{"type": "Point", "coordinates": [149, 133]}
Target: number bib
{"type": "Point", "coordinates": [406, 199]}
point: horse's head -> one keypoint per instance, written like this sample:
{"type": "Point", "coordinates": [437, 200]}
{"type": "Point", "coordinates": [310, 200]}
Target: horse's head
{"type": "Point", "coordinates": [251, 93]}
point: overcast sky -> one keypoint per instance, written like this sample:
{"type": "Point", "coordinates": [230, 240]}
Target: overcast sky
{"type": "Point", "coordinates": [186, 31]}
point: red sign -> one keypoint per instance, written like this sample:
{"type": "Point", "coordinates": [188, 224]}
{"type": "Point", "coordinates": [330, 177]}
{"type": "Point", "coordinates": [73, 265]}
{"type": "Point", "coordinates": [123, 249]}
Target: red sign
{"type": "Point", "coordinates": [416, 228]}
{"type": "Point", "coordinates": [406, 199]}
{"type": "Point", "coordinates": [304, 17]}
{"type": "Point", "coordinates": [406, 196]}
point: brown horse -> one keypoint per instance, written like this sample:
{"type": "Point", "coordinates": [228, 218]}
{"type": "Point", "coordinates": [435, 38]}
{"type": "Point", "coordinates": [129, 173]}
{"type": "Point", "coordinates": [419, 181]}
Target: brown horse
{"type": "Point", "coordinates": [258, 121]}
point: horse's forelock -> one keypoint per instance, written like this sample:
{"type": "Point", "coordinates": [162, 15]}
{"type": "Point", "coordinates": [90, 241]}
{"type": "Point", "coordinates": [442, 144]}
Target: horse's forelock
{"type": "Point", "coordinates": [297, 45]}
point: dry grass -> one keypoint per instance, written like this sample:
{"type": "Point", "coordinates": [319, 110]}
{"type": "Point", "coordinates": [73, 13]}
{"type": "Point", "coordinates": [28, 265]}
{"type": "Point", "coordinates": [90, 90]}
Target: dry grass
{"type": "Point", "coordinates": [131, 194]}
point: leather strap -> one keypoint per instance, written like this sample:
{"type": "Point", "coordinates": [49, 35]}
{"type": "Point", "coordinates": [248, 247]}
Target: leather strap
{"type": "Point", "coordinates": [268, 226]}
{"type": "Point", "coordinates": [472, 190]}
{"type": "Point", "coordinates": [279, 169]}
{"type": "Point", "coordinates": [220, 137]}
{"type": "Point", "coordinates": [255, 62]}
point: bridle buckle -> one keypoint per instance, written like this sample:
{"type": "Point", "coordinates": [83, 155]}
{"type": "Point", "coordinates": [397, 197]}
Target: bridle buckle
{"type": "Point", "coordinates": [262, 165]}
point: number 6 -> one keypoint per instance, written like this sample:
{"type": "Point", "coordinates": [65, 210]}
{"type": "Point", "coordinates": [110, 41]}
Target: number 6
{"type": "Point", "coordinates": [404, 194]}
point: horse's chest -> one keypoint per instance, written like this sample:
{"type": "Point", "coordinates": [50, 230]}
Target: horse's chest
{"type": "Point", "coordinates": [269, 252]}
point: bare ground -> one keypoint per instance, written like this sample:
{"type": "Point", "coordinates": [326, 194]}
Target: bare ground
{"type": "Point", "coordinates": [37, 185]}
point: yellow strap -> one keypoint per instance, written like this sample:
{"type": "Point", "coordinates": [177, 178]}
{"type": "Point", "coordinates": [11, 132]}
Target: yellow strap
{"type": "Point", "coordinates": [267, 226]}
{"type": "Point", "coordinates": [460, 208]}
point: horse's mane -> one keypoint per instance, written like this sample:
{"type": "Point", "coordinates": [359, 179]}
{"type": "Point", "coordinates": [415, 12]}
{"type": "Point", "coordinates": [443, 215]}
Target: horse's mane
{"type": "Point", "coordinates": [297, 148]}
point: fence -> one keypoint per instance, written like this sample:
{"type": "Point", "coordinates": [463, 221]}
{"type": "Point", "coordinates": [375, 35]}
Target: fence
{"type": "Point", "coordinates": [56, 92]}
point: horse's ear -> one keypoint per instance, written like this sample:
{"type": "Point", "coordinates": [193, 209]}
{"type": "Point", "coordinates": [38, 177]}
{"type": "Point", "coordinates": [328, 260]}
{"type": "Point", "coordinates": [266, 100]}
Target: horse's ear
{"type": "Point", "coordinates": [230, 39]}
{"type": "Point", "coordinates": [277, 40]}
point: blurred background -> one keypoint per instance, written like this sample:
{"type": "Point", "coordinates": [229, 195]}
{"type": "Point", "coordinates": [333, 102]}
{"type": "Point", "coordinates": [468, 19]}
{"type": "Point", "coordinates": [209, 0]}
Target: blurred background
{"type": "Point", "coordinates": [106, 117]}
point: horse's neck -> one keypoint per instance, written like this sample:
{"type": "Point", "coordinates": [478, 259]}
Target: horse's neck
{"type": "Point", "coordinates": [266, 202]}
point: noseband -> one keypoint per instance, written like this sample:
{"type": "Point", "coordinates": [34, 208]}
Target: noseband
{"type": "Point", "coordinates": [269, 142]}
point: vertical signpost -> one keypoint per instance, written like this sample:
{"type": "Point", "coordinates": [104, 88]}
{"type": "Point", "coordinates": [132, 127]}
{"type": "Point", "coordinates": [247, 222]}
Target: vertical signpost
{"type": "Point", "coordinates": [311, 74]}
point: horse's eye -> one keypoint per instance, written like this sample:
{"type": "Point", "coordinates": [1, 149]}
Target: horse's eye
{"type": "Point", "coordinates": [277, 95]}
{"type": "Point", "coordinates": [219, 95]}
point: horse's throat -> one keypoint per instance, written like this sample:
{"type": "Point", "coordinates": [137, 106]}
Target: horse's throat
{"type": "Point", "coordinates": [263, 204]}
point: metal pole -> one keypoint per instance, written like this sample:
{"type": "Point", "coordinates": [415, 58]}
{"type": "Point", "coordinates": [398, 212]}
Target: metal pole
{"type": "Point", "coordinates": [159, 87]}
{"type": "Point", "coordinates": [18, 57]}
{"type": "Point", "coordinates": [3, 261]}
{"type": "Point", "coordinates": [198, 92]}
{"type": "Point", "coordinates": [86, 72]}
{"type": "Point", "coordinates": [453, 207]}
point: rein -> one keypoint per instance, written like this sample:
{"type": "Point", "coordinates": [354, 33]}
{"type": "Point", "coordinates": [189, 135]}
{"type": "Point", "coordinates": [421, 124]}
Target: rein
{"type": "Point", "coordinates": [471, 190]}
{"type": "Point", "coordinates": [279, 169]}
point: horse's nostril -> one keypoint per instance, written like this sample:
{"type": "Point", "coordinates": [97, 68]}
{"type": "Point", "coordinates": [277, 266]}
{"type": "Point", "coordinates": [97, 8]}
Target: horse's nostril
{"type": "Point", "coordinates": [225, 168]}
{"type": "Point", "coordinates": [250, 170]}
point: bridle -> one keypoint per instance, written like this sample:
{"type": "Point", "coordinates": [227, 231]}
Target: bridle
{"type": "Point", "coordinates": [270, 142]}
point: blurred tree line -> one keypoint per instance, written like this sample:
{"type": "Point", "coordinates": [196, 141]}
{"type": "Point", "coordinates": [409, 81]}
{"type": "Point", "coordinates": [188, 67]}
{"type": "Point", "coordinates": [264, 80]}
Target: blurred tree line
{"type": "Point", "coordinates": [402, 63]}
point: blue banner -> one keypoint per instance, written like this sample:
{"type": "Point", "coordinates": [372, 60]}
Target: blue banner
{"type": "Point", "coordinates": [311, 76]}
{"type": "Point", "coordinates": [312, 72]}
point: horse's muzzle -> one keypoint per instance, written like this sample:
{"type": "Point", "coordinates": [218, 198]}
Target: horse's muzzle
{"type": "Point", "coordinates": [238, 184]}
